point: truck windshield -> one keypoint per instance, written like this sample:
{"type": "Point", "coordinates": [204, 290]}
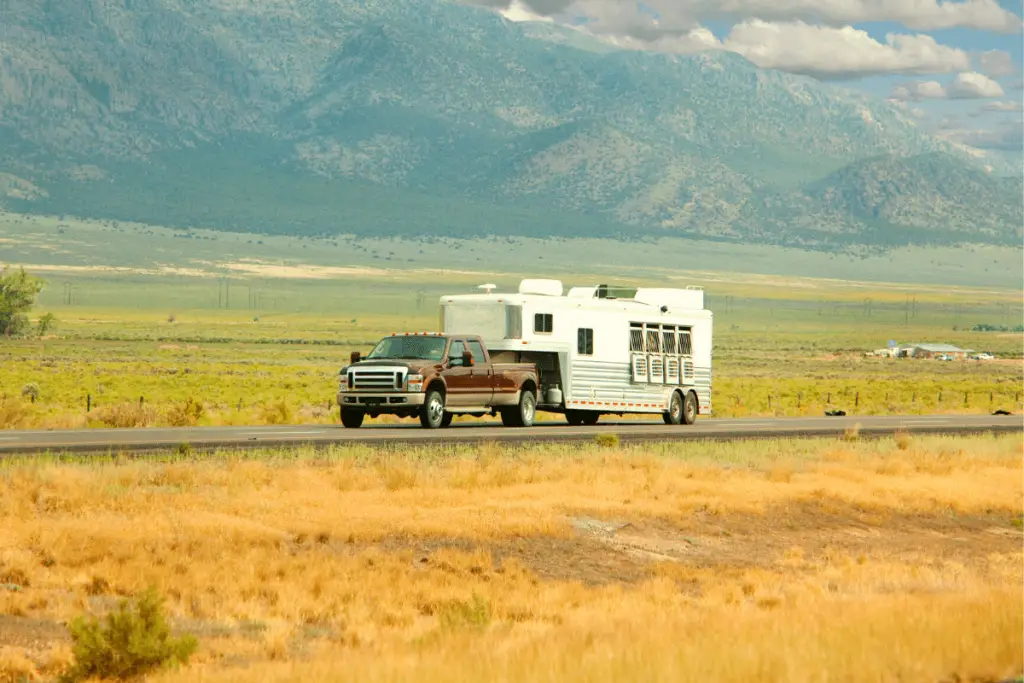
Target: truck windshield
{"type": "Point", "coordinates": [419, 348]}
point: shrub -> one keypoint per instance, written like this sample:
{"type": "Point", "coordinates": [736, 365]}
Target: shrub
{"type": "Point", "coordinates": [186, 414]}
{"type": "Point", "coordinates": [127, 643]}
{"type": "Point", "coordinates": [124, 416]}
{"type": "Point", "coordinates": [30, 392]}
{"type": "Point", "coordinates": [607, 440]}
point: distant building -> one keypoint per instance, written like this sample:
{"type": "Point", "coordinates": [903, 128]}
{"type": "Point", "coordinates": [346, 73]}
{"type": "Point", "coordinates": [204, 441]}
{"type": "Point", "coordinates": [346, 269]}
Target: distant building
{"type": "Point", "coordinates": [931, 351]}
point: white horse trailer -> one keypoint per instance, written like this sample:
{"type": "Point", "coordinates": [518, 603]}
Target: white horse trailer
{"type": "Point", "coordinates": [598, 349]}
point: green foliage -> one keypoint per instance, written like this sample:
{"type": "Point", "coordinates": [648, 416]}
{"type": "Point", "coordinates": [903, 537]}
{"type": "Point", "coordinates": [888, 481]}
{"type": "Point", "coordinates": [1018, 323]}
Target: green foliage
{"type": "Point", "coordinates": [46, 324]}
{"type": "Point", "coordinates": [127, 643]}
{"type": "Point", "coordinates": [607, 440]}
{"type": "Point", "coordinates": [18, 292]}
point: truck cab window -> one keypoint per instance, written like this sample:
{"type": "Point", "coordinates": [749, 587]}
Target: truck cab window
{"type": "Point", "coordinates": [477, 349]}
{"type": "Point", "coordinates": [455, 352]}
{"type": "Point", "coordinates": [543, 322]}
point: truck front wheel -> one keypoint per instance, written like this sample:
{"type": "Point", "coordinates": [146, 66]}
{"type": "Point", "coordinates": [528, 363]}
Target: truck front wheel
{"type": "Point", "coordinates": [352, 419]}
{"type": "Point", "coordinates": [432, 415]}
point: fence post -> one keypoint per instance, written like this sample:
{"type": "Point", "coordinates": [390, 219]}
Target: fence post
{"type": "Point", "coordinates": [856, 401]}
{"type": "Point", "coordinates": [142, 402]}
{"type": "Point", "coordinates": [799, 400]}
{"type": "Point", "coordinates": [88, 403]}
{"type": "Point", "coordinates": [769, 401]}
{"type": "Point", "coordinates": [965, 399]}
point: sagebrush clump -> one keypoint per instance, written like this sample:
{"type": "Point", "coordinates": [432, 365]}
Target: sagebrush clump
{"type": "Point", "coordinates": [129, 642]}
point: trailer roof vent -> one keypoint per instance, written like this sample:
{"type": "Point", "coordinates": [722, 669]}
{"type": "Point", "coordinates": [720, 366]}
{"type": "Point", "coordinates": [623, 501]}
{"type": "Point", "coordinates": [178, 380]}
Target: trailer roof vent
{"type": "Point", "coordinates": [543, 287]}
{"type": "Point", "coordinates": [488, 288]}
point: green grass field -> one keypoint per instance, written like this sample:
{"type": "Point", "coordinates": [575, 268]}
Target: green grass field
{"type": "Point", "coordinates": [256, 333]}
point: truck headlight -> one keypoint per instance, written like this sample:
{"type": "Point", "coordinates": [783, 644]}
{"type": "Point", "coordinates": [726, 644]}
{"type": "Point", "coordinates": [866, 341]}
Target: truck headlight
{"type": "Point", "coordinates": [342, 381]}
{"type": "Point", "coordinates": [415, 382]}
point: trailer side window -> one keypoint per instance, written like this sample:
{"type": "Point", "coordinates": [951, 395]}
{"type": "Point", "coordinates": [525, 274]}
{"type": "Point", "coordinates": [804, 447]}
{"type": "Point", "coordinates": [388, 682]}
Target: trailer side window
{"type": "Point", "coordinates": [653, 339]}
{"type": "Point", "coordinates": [585, 341]}
{"type": "Point", "coordinates": [543, 322]}
{"type": "Point", "coordinates": [669, 337]}
{"type": "Point", "coordinates": [636, 338]}
{"type": "Point", "coordinates": [685, 349]}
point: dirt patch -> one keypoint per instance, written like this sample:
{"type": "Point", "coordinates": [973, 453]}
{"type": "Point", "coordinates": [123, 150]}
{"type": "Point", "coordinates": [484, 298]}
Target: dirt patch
{"type": "Point", "coordinates": [626, 551]}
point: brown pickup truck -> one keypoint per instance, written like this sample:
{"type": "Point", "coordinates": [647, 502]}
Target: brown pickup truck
{"type": "Point", "coordinates": [435, 377]}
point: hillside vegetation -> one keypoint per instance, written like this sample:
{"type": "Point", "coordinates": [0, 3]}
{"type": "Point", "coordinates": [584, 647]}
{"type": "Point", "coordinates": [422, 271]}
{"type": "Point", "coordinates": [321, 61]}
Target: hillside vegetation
{"type": "Point", "coordinates": [430, 116]}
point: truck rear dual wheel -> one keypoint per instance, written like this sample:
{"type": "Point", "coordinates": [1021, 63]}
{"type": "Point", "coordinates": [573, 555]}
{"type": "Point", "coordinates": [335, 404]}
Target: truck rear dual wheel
{"type": "Point", "coordinates": [522, 415]}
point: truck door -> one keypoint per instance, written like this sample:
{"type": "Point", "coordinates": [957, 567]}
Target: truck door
{"type": "Point", "coordinates": [482, 373]}
{"type": "Point", "coordinates": [458, 378]}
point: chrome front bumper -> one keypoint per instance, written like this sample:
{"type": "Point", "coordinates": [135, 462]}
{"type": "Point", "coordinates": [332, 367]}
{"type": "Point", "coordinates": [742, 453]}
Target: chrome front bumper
{"type": "Point", "coordinates": [372, 400]}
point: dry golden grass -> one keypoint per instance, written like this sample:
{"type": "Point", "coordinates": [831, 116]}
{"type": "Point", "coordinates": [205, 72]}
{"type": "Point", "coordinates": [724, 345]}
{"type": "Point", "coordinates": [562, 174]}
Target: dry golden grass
{"type": "Point", "coordinates": [890, 560]}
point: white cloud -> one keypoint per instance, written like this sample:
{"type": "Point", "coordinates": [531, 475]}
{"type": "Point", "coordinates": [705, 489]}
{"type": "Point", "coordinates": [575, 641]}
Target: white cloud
{"type": "Point", "coordinates": [683, 15]}
{"type": "Point", "coordinates": [1003, 106]}
{"type": "Point", "coordinates": [1008, 138]}
{"type": "Point", "coordinates": [696, 40]}
{"type": "Point", "coordinates": [966, 86]}
{"type": "Point", "coordinates": [518, 11]}
{"type": "Point", "coordinates": [826, 52]}
{"type": "Point", "coordinates": [996, 63]}
{"type": "Point", "coordinates": [972, 85]}
{"type": "Point", "coordinates": [924, 15]}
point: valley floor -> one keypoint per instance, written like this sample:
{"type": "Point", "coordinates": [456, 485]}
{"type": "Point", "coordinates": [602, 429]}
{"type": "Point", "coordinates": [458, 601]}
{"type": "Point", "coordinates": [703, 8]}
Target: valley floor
{"type": "Point", "coordinates": [775, 561]}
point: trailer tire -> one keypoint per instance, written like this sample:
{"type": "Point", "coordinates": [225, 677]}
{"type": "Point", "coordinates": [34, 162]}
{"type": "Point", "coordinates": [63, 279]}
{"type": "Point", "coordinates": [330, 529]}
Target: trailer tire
{"type": "Point", "coordinates": [674, 415]}
{"type": "Point", "coordinates": [352, 419]}
{"type": "Point", "coordinates": [590, 417]}
{"type": "Point", "coordinates": [524, 414]}
{"type": "Point", "coordinates": [574, 417]}
{"type": "Point", "coordinates": [432, 413]}
{"type": "Point", "coordinates": [690, 408]}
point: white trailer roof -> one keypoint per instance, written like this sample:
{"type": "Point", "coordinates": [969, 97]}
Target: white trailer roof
{"type": "Point", "coordinates": [690, 298]}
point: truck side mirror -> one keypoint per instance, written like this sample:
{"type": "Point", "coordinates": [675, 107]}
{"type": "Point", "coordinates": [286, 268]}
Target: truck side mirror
{"type": "Point", "coordinates": [467, 359]}
{"type": "Point", "coordinates": [354, 358]}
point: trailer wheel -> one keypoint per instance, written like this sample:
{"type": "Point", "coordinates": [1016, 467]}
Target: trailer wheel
{"type": "Point", "coordinates": [590, 418]}
{"type": "Point", "coordinates": [446, 421]}
{"type": "Point", "coordinates": [574, 417]}
{"type": "Point", "coordinates": [690, 408]}
{"type": "Point", "coordinates": [432, 415]}
{"type": "Point", "coordinates": [524, 414]}
{"type": "Point", "coordinates": [352, 419]}
{"type": "Point", "coordinates": [674, 415]}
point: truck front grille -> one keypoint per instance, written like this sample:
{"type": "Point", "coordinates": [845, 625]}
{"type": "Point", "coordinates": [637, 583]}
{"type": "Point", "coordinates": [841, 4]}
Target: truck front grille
{"type": "Point", "coordinates": [388, 380]}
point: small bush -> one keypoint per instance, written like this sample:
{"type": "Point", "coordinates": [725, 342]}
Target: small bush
{"type": "Point", "coordinates": [607, 440]}
{"type": "Point", "coordinates": [278, 413]}
{"type": "Point", "coordinates": [127, 643]}
{"type": "Point", "coordinates": [124, 416]}
{"type": "Point", "coordinates": [30, 392]}
{"type": "Point", "coordinates": [13, 414]}
{"type": "Point", "coordinates": [903, 440]}
{"type": "Point", "coordinates": [186, 414]}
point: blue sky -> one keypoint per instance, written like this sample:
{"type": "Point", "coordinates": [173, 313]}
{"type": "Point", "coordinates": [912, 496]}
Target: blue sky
{"type": "Point", "coordinates": [955, 65]}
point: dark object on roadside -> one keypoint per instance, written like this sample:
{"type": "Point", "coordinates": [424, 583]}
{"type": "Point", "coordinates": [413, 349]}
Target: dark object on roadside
{"type": "Point", "coordinates": [835, 413]}
{"type": "Point", "coordinates": [1001, 412]}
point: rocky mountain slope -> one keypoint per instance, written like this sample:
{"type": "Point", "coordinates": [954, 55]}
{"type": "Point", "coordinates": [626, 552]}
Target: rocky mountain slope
{"type": "Point", "coordinates": [430, 116]}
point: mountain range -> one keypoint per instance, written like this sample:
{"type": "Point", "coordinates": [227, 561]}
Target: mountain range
{"type": "Point", "coordinates": [417, 117]}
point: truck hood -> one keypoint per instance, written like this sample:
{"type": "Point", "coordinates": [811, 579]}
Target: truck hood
{"type": "Point", "coordinates": [412, 366]}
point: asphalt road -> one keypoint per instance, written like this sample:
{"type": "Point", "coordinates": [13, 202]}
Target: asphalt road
{"type": "Point", "coordinates": [204, 438]}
